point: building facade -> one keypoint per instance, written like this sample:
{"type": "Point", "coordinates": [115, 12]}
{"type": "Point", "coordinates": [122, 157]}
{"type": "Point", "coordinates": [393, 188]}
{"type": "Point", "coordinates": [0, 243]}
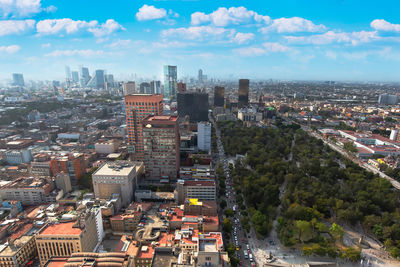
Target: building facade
{"type": "Point", "coordinates": [194, 105]}
{"type": "Point", "coordinates": [204, 136]}
{"type": "Point", "coordinates": [129, 88]}
{"type": "Point", "coordinates": [243, 96]}
{"type": "Point", "coordinates": [170, 81]}
{"type": "Point", "coordinates": [201, 190]}
{"type": "Point", "coordinates": [117, 177]}
{"type": "Point", "coordinates": [161, 147]}
{"type": "Point", "coordinates": [137, 108]}
{"type": "Point", "coordinates": [219, 96]}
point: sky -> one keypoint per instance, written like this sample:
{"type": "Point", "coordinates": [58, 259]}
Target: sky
{"type": "Point", "coordinates": [349, 40]}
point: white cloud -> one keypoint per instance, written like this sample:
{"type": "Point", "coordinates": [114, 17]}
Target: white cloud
{"type": "Point", "coordinates": [170, 44]}
{"type": "Point", "coordinates": [106, 28]}
{"type": "Point", "coordinates": [330, 37]}
{"type": "Point", "coordinates": [269, 47]}
{"type": "Point", "coordinates": [69, 26]}
{"type": "Point", "coordinates": [150, 12]}
{"type": "Point", "coordinates": [295, 24]}
{"type": "Point", "coordinates": [11, 49]}
{"type": "Point", "coordinates": [23, 8]}
{"type": "Point", "coordinates": [275, 47]}
{"type": "Point", "coordinates": [383, 25]}
{"type": "Point", "coordinates": [47, 45]}
{"type": "Point", "coordinates": [120, 43]}
{"type": "Point", "coordinates": [223, 17]}
{"type": "Point", "coordinates": [241, 38]}
{"type": "Point", "coordinates": [15, 26]}
{"type": "Point", "coordinates": [198, 32]}
{"type": "Point", "coordinates": [80, 53]}
{"type": "Point", "coordinates": [55, 26]}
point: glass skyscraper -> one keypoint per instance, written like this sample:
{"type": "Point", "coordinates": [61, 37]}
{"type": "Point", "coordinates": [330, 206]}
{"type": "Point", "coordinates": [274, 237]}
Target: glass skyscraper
{"type": "Point", "coordinates": [170, 81]}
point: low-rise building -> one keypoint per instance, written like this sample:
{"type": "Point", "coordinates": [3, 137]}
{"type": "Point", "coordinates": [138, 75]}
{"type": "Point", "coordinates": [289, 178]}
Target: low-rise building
{"type": "Point", "coordinates": [201, 190]}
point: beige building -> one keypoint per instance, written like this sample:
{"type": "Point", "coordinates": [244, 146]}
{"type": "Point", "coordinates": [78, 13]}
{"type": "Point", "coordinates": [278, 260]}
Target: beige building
{"type": "Point", "coordinates": [117, 177]}
{"type": "Point", "coordinates": [63, 239]}
{"type": "Point", "coordinates": [201, 190]}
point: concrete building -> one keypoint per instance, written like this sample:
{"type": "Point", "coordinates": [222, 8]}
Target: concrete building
{"type": "Point", "coordinates": [106, 147]}
{"type": "Point", "coordinates": [387, 99]}
{"type": "Point", "coordinates": [204, 136]}
{"type": "Point", "coordinates": [63, 239]}
{"type": "Point", "coordinates": [201, 190]}
{"type": "Point", "coordinates": [155, 87]}
{"type": "Point", "coordinates": [219, 96]}
{"type": "Point", "coordinates": [161, 147]}
{"type": "Point", "coordinates": [30, 191]}
{"type": "Point", "coordinates": [16, 157]}
{"type": "Point", "coordinates": [249, 115]}
{"type": "Point", "coordinates": [182, 87]}
{"type": "Point", "coordinates": [73, 164]}
{"type": "Point", "coordinates": [117, 177]}
{"type": "Point", "coordinates": [144, 88]}
{"type": "Point", "coordinates": [129, 88]}
{"type": "Point", "coordinates": [18, 79]}
{"type": "Point", "coordinates": [243, 94]}
{"type": "Point", "coordinates": [63, 182]}
{"type": "Point", "coordinates": [137, 108]}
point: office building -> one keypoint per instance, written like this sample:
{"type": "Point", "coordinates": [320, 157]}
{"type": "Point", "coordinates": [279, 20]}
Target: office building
{"type": "Point", "coordinates": [75, 76]}
{"type": "Point", "coordinates": [201, 190]}
{"type": "Point", "coordinates": [98, 80]}
{"type": "Point", "coordinates": [18, 79]}
{"type": "Point", "coordinates": [219, 96]}
{"type": "Point", "coordinates": [63, 182]}
{"type": "Point", "coordinates": [85, 77]}
{"type": "Point", "coordinates": [204, 136]}
{"type": "Point", "coordinates": [181, 87]}
{"type": "Point", "coordinates": [129, 88]}
{"type": "Point", "coordinates": [30, 191]}
{"type": "Point", "coordinates": [138, 107]}
{"type": "Point", "coordinates": [170, 81]}
{"type": "Point", "coordinates": [200, 76]}
{"type": "Point", "coordinates": [110, 78]}
{"type": "Point", "coordinates": [72, 164]}
{"type": "Point", "coordinates": [387, 99]}
{"type": "Point", "coordinates": [155, 87]}
{"type": "Point", "coordinates": [144, 88]}
{"type": "Point", "coordinates": [194, 105]}
{"type": "Point", "coordinates": [161, 147]}
{"type": "Point", "coordinates": [117, 177]}
{"type": "Point", "coordinates": [61, 239]}
{"type": "Point", "coordinates": [243, 96]}
{"type": "Point", "coordinates": [67, 73]}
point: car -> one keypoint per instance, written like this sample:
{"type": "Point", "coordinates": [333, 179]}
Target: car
{"type": "Point", "coordinates": [248, 247]}
{"type": "Point", "coordinates": [237, 247]}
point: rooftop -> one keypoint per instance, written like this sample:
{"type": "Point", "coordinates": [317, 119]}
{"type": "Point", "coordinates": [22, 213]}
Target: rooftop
{"type": "Point", "coordinates": [61, 229]}
{"type": "Point", "coordinates": [118, 168]}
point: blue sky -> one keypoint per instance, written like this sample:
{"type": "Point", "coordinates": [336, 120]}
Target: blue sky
{"type": "Point", "coordinates": [285, 39]}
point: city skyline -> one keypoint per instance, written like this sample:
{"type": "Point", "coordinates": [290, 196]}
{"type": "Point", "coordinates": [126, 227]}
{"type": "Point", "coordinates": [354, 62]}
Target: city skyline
{"type": "Point", "coordinates": [289, 40]}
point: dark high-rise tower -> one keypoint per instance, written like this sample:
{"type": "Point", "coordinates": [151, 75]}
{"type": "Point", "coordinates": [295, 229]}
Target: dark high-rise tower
{"type": "Point", "coordinates": [194, 105]}
{"type": "Point", "coordinates": [219, 93]}
{"type": "Point", "coordinates": [243, 96]}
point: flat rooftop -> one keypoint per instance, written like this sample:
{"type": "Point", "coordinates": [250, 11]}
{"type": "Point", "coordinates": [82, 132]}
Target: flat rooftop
{"type": "Point", "coordinates": [118, 168]}
{"type": "Point", "coordinates": [61, 229]}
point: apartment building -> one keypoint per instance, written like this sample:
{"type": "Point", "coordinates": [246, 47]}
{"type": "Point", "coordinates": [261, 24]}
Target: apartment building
{"type": "Point", "coordinates": [201, 190]}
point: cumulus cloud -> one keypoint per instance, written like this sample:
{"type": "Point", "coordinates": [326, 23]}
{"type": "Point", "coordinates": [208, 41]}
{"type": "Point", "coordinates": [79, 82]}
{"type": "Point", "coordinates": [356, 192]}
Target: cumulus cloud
{"type": "Point", "coordinates": [330, 37]}
{"type": "Point", "coordinates": [198, 32]}
{"type": "Point", "coordinates": [69, 26]}
{"type": "Point", "coordinates": [120, 43]}
{"type": "Point", "coordinates": [290, 25]}
{"type": "Point", "coordinates": [15, 26]}
{"type": "Point", "coordinates": [106, 28]}
{"type": "Point", "coordinates": [383, 25]}
{"type": "Point", "coordinates": [47, 45]}
{"type": "Point", "coordinates": [241, 38]}
{"type": "Point", "coordinates": [224, 16]}
{"type": "Point", "coordinates": [76, 52]}
{"type": "Point", "coordinates": [269, 47]}
{"type": "Point", "coordinates": [147, 12]}
{"type": "Point", "coordinates": [11, 49]}
{"type": "Point", "coordinates": [23, 8]}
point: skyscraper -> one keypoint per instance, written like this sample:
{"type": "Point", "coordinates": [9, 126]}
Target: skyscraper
{"type": "Point", "coordinates": [194, 105]}
{"type": "Point", "coordinates": [204, 136]}
{"type": "Point", "coordinates": [155, 87]}
{"type": "Point", "coordinates": [161, 147]}
{"type": "Point", "coordinates": [75, 76]}
{"type": "Point", "coordinates": [200, 76]}
{"type": "Point", "coordinates": [18, 79]}
{"type": "Point", "coordinates": [170, 81]}
{"type": "Point", "coordinates": [97, 81]}
{"type": "Point", "coordinates": [219, 93]}
{"type": "Point", "coordinates": [85, 77]}
{"type": "Point", "coordinates": [243, 96]}
{"type": "Point", "coordinates": [144, 88]}
{"type": "Point", "coordinates": [129, 88]}
{"type": "Point", "coordinates": [137, 108]}
{"type": "Point", "coordinates": [67, 73]}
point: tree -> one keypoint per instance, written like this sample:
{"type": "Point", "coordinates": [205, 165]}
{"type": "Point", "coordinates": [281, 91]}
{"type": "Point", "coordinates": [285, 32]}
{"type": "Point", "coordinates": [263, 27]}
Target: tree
{"type": "Point", "coordinates": [303, 230]}
{"type": "Point", "coordinates": [350, 147]}
{"type": "Point", "coordinates": [307, 251]}
{"type": "Point", "coordinates": [223, 204]}
{"type": "Point", "coordinates": [352, 254]}
{"type": "Point", "coordinates": [227, 225]}
{"type": "Point", "coordinates": [229, 213]}
{"type": "Point", "coordinates": [336, 231]}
